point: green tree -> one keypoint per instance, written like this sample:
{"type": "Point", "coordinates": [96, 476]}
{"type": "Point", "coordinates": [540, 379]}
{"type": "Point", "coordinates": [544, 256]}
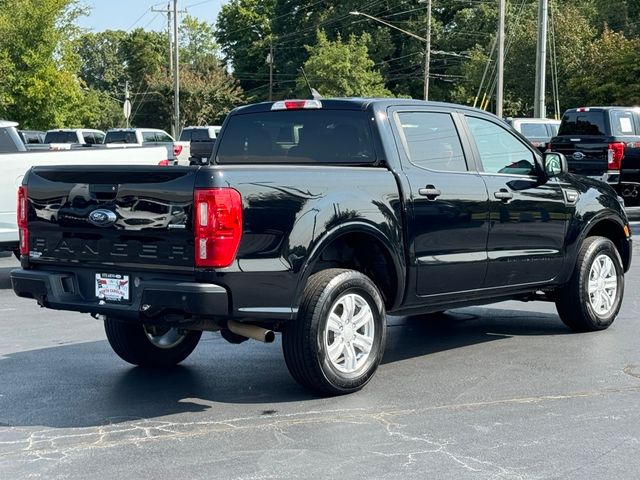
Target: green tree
{"type": "Point", "coordinates": [40, 88]}
{"type": "Point", "coordinates": [609, 72]}
{"type": "Point", "coordinates": [104, 65]}
{"type": "Point", "coordinates": [198, 47]}
{"type": "Point", "coordinates": [205, 98]}
{"type": "Point", "coordinates": [337, 68]}
{"type": "Point", "coordinates": [243, 30]}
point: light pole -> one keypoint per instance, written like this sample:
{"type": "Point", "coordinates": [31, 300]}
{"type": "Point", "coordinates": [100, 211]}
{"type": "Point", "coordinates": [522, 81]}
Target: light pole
{"type": "Point", "coordinates": [427, 41]}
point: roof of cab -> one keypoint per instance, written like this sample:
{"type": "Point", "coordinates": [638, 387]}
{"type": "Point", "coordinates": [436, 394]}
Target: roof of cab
{"type": "Point", "coordinates": [359, 103]}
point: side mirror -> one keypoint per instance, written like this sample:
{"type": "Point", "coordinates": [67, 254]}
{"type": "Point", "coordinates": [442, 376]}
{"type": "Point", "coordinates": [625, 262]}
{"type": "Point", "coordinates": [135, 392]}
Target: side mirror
{"type": "Point", "coordinates": [554, 164]}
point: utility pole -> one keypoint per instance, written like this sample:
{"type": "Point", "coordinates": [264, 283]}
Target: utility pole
{"type": "Point", "coordinates": [270, 62]}
{"type": "Point", "coordinates": [539, 110]}
{"type": "Point", "coordinates": [170, 38]}
{"type": "Point", "coordinates": [427, 55]}
{"type": "Point", "coordinates": [172, 13]}
{"type": "Point", "coordinates": [176, 73]}
{"type": "Point", "coordinates": [126, 106]}
{"type": "Point", "coordinates": [500, 84]}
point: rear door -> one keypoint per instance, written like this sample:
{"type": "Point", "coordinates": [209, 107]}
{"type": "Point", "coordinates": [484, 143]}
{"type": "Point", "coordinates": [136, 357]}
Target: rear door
{"type": "Point", "coordinates": [528, 218]}
{"type": "Point", "coordinates": [448, 228]}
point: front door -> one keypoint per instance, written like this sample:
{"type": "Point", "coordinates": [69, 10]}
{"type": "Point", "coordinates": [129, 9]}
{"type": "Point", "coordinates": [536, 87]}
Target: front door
{"type": "Point", "coordinates": [528, 216]}
{"type": "Point", "coordinates": [448, 217]}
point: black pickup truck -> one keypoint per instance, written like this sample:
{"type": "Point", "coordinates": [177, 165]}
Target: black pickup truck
{"type": "Point", "coordinates": [603, 143]}
{"type": "Point", "coordinates": [316, 218]}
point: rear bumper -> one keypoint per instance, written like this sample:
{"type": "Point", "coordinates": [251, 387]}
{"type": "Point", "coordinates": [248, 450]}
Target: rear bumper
{"type": "Point", "coordinates": [150, 300]}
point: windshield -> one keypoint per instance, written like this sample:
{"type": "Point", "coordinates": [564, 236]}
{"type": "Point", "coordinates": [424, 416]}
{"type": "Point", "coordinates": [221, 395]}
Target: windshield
{"type": "Point", "coordinates": [298, 136]}
{"type": "Point", "coordinates": [583, 123]}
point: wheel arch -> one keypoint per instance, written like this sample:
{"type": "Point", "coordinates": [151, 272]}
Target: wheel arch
{"type": "Point", "coordinates": [613, 229]}
{"type": "Point", "coordinates": [342, 247]}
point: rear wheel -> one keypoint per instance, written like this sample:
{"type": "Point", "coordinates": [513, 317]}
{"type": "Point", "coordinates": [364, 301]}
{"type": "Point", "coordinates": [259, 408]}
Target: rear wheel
{"type": "Point", "coordinates": [592, 298]}
{"type": "Point", "coordinates": [336, 343]}
{"type": "Point", "coordinates": [150, 346]}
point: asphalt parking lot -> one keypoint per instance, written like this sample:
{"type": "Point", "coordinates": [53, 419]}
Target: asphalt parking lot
{"type": "Point", "coordinates": [496, 392]}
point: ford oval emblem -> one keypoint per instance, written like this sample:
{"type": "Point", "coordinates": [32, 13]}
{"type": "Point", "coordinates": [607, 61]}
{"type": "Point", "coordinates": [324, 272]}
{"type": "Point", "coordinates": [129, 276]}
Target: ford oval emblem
{"type": "Point", "coordinates": [578, 156]}
{"type": "Point", "coordinates": [102, 217]}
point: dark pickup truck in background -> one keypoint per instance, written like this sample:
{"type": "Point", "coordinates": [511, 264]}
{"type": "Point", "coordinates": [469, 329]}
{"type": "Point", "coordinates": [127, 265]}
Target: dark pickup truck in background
{"type": "Point", "coordinates": [603, 143]}
{"type": "Point", "coordinates": [202, 140]}
{"type": "Point", "coordinates": [316, 219]}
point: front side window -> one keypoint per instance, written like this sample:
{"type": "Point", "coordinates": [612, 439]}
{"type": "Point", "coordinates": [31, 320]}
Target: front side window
{"type": "Point", "coordinates": [500, 151]}
{"type": "Point", "coordinates": [622, 122]}
{"type": "Point", "coordinates": [432, 141]}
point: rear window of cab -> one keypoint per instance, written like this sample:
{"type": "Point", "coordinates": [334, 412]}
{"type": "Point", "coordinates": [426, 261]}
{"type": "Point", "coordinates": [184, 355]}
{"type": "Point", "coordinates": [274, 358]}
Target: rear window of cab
{"type": "Point", "coordinates": [297, 136]}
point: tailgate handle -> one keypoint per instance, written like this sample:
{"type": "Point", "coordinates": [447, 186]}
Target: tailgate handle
{"type": "Point", "coordinates": [103, 192]}
{"type": "Point", "coordinates": [430, 192]}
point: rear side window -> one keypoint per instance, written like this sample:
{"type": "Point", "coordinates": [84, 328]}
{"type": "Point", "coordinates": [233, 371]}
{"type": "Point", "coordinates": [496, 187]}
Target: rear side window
{"type": "Point", "coordinates": [583, 123]}
{"type": "Point", "coordinates": [432, 141]}
{"type": "Point", "coordinates": [533, 129]}
{"type": "Point", "coordinates": [163, 137]}
{"type": "Point", "coordinates": [298, 136]}
{"type": "Point", "coordinates": [149, 137]}
{"type": "Point", "coordinates": [622, 122]}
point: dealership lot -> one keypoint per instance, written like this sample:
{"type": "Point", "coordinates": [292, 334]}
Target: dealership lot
{"type": "Point", "coordinates": [503, 391]}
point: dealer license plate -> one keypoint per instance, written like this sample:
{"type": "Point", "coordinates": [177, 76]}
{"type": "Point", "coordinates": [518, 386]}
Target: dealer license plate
{"type": "Point", "coordinates": [112, 287]}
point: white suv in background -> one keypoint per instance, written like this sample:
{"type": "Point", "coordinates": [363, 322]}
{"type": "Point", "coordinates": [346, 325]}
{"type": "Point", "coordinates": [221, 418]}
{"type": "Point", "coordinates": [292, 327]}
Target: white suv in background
{"type": "Point", "coordinates": [149, 137]}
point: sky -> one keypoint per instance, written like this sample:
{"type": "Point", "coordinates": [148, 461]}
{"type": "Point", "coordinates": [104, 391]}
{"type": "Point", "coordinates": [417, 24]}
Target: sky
{"type": "Point", "coordinates": [130, 14]}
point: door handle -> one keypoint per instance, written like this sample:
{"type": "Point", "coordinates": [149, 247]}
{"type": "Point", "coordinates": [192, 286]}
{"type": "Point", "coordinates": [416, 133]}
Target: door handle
{"type": "Point", "coordinates": [430, 192]}
{"type": "Point", "coordinates": [503, 194]}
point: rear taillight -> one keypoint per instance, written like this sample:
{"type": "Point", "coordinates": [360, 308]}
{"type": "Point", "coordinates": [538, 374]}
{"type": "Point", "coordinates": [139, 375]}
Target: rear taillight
{"type": "Point", "coordinates": [163, 163]}
{"type": "Point", "coordinates": [217, 226]}
{"type": "Point", "coordinates": [614, 155]}
{"type": "Point", "coordinates": [23, 227]}
{"type": "Point", "coordinates": [177, 149]}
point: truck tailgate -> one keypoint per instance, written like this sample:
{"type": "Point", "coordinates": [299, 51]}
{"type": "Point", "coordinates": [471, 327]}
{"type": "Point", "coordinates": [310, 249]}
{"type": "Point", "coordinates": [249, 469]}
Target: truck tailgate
{"type": "Point", "coordinates": [585, 155]}
{"type": "Point", "coordinates": [137, 217]}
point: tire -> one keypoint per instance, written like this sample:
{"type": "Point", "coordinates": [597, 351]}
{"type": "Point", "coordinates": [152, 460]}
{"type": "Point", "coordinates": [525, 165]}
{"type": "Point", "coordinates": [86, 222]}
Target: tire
{"type": "Point", "coordinates": [358, 323]}
{"type": "Point", "coordinates": [591, 299]}
{"type": "Point", "coordinates": [137, 344]}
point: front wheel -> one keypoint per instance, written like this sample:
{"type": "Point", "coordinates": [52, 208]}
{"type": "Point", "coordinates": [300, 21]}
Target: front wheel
{"type": "Point", "coordinates": [592, 298]}
{"type": "Point", "coordinates": [336, 343]}
{"type": "Point", "coordinates": [150, 346]}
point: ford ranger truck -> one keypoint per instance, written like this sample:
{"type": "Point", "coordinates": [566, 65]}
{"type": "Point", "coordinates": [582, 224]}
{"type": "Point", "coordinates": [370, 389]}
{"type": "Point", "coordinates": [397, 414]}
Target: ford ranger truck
{"type": "Point", "coordinates": [316, 219]}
